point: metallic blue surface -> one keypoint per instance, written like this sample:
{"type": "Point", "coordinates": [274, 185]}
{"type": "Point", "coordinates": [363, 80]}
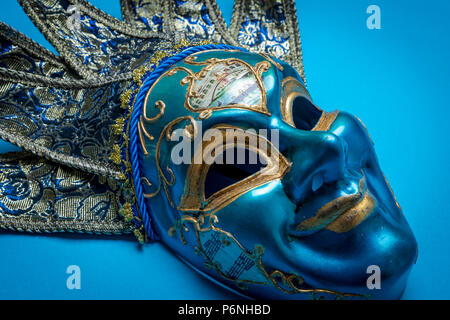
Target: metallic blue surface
{"type": "Point", "coordinates": [368, 73]}
{"type": "Point", "coordinates": [267, 216]}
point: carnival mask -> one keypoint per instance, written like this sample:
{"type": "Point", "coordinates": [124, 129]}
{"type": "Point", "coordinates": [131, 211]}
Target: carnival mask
{"type": "Point", "coordinates": [217, 150]}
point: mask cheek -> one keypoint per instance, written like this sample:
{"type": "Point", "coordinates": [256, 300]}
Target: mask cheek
{"type": "Point", "coordinates": [260, 216]}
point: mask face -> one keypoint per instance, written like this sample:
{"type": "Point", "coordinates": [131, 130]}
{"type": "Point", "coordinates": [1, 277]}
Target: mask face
{"type": "Point", "coordinates": [257, 188]}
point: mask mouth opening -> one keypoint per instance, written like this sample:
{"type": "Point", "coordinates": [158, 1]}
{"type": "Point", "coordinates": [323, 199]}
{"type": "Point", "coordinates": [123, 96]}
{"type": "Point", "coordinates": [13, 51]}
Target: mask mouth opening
{"type": "Point", "coordinates": [305, 114]}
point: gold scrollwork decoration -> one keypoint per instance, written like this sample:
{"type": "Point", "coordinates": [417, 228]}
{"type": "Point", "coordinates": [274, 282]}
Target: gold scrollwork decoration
{"type": "Point", "coordinates": [287, 283]}
{"type": "Point", "coordinates": [161, 106]}
{"type": "Point", "coordinates": [291, 88]}
{"type": "Point", "coordinates": [191, 79]}
{"type": "Point", "coordinates": [149, 184]}
{"type": "Point", "coordinates": [163, 180]}
{"type": "Point", "coordinates": [325, 121]}
{"type": "Point", "coordinates": [270, 58]}
{"type": "Point", "coordinates": [204, 113]}
{"type": "Point", "coordinates": [209, 64]}
{"type": "Point", "coordinates": [276, 168]}
{"type": "Point", "coordinates": [200, 226]}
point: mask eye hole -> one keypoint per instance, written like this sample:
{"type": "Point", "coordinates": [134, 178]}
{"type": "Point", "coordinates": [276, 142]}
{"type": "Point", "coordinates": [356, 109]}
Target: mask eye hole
{"type": "Point", "coordinates": [305, 114]}
{"type": "Point", "coordinates": [255, 161]}
{"type": "Point", "coordinates": [223, 175]}
{"type": "Point", "coordinates": [296, 105]}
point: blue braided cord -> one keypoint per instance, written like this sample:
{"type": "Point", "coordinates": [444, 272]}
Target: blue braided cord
{"type": "Point", "coordinates": [135, 148]}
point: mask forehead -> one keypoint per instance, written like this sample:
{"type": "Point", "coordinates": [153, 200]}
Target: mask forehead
{"type": "Point", "coordinates": [203, 83]}
{"type": "Point", "coordinates": [206, 84]}
{"type": "Point", "coordinates": [218, 79]}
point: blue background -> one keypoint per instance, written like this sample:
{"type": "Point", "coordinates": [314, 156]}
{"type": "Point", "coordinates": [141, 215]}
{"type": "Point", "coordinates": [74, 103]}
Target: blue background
{"type": "Point", "coordinates": [395, 79]}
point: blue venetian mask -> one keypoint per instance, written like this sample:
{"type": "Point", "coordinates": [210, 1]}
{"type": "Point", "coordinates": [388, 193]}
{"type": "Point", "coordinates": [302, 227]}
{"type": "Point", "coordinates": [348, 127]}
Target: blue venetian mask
{"type": "Point", "coordinates": [309, 218]}
{"type": "Point", "coordinates": [132, 134]}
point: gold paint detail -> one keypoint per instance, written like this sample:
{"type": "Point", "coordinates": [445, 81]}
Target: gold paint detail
{"type": "Point", "coordinates": [325, 121]}
{"type": "Point", "coordinates": [208, 65]}
{"type": "Point", "coordinates": [201, 226]}
{"type": "Point", "coordinates": [342, 214]}
{"type": "Point", "coordinates": [190, 80]}
{"type": "Point", "coordinates": [287, 283]}
{"type": "Point", "coordinates": [160, 105]}
{"type": "Point", "coordinates": [271, 60]}
{"type": "Point", "coordinates": [142, 131]}
{"type": "Point", "coordinates": [193, 198]}
{"type": "Point", "coordinates": [205, 114]}
{"type": "Point", "coordinates": [291, 88]}
{"type": "Point", "coordinates": [163, 180]}
{"type": "Point", "coordinates": [353, 217]}
{"type": "Point", "coordinates": [145, 181]}
{"type": "Point", "coordinates": [138, 75]}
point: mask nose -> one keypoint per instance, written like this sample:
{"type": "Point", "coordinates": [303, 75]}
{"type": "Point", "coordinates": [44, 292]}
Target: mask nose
{"type": "Point", "coordinates": [317, 159]}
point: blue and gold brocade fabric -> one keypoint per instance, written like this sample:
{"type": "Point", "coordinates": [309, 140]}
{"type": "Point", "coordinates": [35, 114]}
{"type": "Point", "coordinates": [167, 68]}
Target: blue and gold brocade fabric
{"type": "Point", "coordinates": [66, 113]}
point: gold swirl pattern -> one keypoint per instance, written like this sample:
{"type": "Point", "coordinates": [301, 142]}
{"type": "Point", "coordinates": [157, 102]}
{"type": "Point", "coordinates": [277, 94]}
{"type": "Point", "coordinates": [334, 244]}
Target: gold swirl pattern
{"type": "Point", "coordinates": [291, 88]}
{"type": "Point", "coordinates": [209, 64]}
{"type": "Point", "coordinates": [163, 180]}
{"type": "Point", "coordinates": [204, 113]}
{"type": "Point", "coordinates": [194, 199]}
{"type": "Point", "coordinates": [287, 283]}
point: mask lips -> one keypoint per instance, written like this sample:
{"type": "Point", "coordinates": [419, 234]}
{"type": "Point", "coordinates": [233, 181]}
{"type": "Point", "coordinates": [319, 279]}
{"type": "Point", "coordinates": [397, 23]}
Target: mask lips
{"type": "Point", "coordinates": [340, 214]}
